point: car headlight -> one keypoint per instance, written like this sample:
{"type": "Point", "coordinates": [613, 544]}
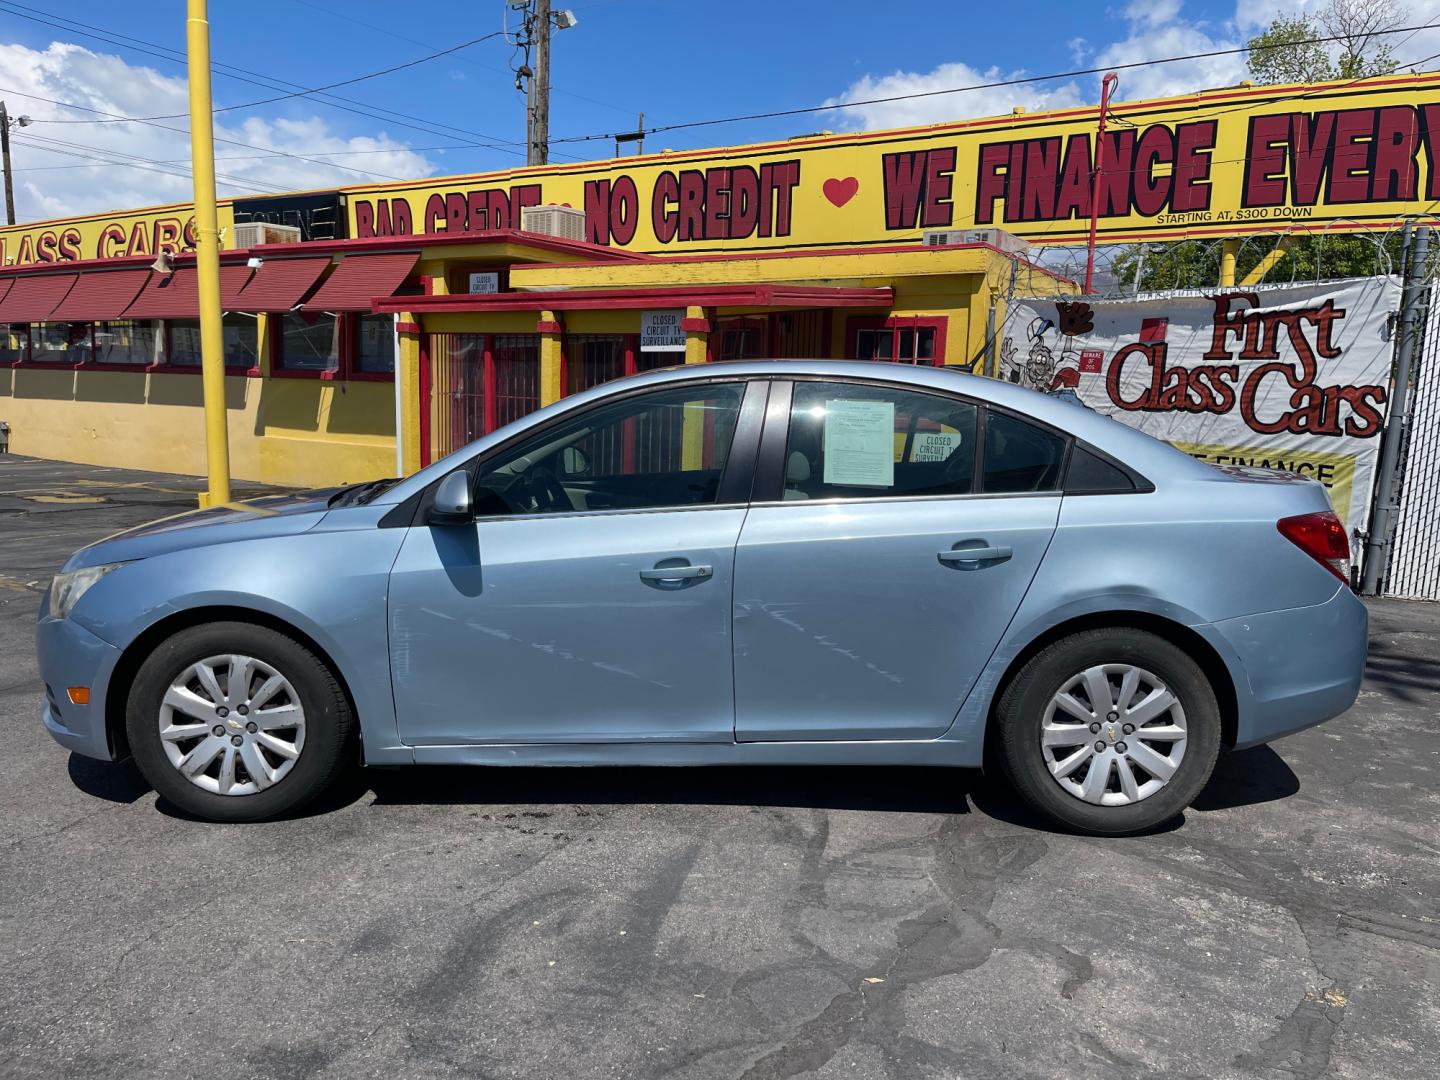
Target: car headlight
{"type": "Point", "coordinates": [67, 589]}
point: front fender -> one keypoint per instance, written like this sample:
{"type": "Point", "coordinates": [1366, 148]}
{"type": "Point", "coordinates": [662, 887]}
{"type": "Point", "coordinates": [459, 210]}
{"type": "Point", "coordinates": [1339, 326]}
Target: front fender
{"type": "Point", "coordinates": [330, 585]}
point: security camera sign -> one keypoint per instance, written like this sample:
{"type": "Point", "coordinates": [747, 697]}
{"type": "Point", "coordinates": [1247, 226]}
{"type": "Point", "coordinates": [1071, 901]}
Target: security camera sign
{"type": "Point", "coordinates": [1293, 378]}
{"type": "Point", "coordinates": [661, 331]}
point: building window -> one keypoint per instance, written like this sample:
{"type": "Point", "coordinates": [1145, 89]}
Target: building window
{"type": "Point", "coordinates": [308, 341]}
{"type": "Point", "coordinates": [60, 343]}
{"type": "Point", "coordinates": [375, 344]}
{"type": "Point", "coordinates": [740, 338]}
{"type": "Point", "coordinates": [240, 334]}
{"type": "Point", "coordinates": [128, 341]}
{"type": "Point", "coordinates": [592, 359]}
{"type": "Point", "coordinates": [901, 339]}
{"type": "Point", "coordinates": [14, 342]}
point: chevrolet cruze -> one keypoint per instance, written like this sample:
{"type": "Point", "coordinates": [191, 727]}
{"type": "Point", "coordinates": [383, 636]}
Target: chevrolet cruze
{"type": "Point", "coordinates": [760, 563]}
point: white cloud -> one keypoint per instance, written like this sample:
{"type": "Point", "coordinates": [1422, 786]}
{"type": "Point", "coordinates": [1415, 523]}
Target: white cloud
{"type": "Point", "coordinates": [70, 73]}
{"type": "Point", "coordinates": [931, 110]}
{"type": "Point", "coordinates": [1149, 29]}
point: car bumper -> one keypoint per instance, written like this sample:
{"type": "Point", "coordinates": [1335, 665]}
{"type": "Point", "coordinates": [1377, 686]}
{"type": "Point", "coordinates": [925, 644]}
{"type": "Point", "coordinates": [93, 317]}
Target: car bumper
{"type": "Point", "coordinates": [71, 656]}
{"type": "Point", "coordinates": [1302, 665]}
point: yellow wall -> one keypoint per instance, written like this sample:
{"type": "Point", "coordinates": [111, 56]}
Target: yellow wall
{"type": "Point", "coordinates": [293, 432]}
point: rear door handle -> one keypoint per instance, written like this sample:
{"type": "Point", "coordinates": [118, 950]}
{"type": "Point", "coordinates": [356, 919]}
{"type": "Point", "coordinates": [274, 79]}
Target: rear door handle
{"type": "Point", "coordinates": [675, 573]}
{"type": "Point", "coordinates": [999, 553]}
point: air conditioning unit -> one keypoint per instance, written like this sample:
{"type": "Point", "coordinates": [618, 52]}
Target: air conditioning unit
{"type": "Point", "coordinates": [250, 233]}
{"type": "Point", "coordinates": [550, 220]}
{"type": "Point", "coordinates": [997, 238]}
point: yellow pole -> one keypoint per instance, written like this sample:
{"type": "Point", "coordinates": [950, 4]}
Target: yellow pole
{"type": "Point", "coordinates": [1228, 250]}
{"type": "Point", "coordinates": [1265, 265]}
{"type": "Point", "coordinates": [207, 257]}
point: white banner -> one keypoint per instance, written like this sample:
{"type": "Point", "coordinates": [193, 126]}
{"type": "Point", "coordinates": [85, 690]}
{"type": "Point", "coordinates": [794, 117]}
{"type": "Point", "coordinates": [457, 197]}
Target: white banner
{"type": "Point", "coordinates": [1289, 377]}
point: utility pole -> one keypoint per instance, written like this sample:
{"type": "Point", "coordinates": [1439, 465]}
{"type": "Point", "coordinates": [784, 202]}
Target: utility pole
{"type": "Point", "coordinates": [538, 149]}
{"type": "Point", "coordinates": [207, 257]}
{"type": "Point", "coordinates": [1107, 84]}
{"type": "Point", "coordinates": [5, 154]}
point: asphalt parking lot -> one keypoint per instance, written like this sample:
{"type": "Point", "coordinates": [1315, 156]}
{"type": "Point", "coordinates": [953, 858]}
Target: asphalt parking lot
{"type": "Point", "coordinates": [748, 923]}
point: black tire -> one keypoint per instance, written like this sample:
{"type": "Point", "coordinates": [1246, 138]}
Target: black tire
{"type": "Point", "coordinates": [1021, 712]}
{"type": "Point", "coordinates": [329, 745]}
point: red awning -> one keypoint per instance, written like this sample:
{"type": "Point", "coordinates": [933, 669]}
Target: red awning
{"type": "Point", "coordinates": [174, 296]}
{"type": "Point", "coordinates": [280, 284]}
{"type": "Point", "coordinates": [760, 294]}
{"type": "Point", "coordinates": [100, 295]}
{"type": "Point", "coordinates": [361, 278]}
{"type": "Point", "coordinates": [5, 284]}
{"type": "Point", "coordinates": [33, 298]}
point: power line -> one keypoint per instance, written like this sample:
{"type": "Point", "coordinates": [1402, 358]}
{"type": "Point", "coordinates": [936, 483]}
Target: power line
{"type": "Point", "coordinates": [218, 138]}
{"type": "Point", "coordinates": [99, 161]}
{"type": "Point", "coordinates": [998, 84]}
{"type": "Point", "coordinates": [390, 31]}
{"type": "Point", "coordinates": [185, 169]}
{"type": "Point", "coordinates": [245, 75]}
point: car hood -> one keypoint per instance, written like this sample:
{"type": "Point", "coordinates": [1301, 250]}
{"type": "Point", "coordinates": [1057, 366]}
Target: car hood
{"type": "Point", "coordinates": [273, 515]}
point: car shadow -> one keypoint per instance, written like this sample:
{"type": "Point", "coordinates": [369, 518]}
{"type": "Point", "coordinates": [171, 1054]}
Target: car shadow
{"type": "Point", "coordinates": [1245, 778]}
{"type": "Point", "coordinates": [1242, 778]}
{"type": "Point", "coordinates": [113, 781]}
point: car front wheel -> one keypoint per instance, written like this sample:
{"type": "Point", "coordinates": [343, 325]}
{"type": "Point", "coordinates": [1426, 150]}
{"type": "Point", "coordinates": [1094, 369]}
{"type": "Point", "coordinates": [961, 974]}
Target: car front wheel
{"type": "Point", "coordinates": [1109, 731]}
{"type": "Point", "coordinates": [235, 722]}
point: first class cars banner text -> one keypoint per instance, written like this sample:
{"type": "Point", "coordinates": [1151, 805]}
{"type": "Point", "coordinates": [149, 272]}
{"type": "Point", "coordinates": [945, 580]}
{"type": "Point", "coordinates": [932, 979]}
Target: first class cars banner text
{"type": "Point", "coordinates": [1347, 155]}
{"type": "Point", "coordinates": [1292, 377]}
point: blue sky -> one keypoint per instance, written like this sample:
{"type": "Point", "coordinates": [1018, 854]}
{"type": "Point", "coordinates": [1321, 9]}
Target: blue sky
{"type": "Point", "coordinates": [676, 62]}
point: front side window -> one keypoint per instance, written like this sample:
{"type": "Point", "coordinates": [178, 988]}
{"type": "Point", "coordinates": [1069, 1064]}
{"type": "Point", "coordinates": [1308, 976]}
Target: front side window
{"type": "Point", "coordinates": [666, 448]}
{"type": "Point", "coordinates": [127, 341]}
{"type": "Point", "coordinates": [848, 440]}
{"type": "Point", "coordinates": [240, 333]}
{"type": "Point", "coordinates": [309, 341]}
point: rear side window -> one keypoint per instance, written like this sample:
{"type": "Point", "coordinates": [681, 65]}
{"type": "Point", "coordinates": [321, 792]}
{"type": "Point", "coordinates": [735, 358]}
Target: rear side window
{"type": "Point", "coordinates": [848, 440]}
{"type": "Point", "coordinates": [1020, 456]}
{"type": "Point", "coordinates": [1090, 474]}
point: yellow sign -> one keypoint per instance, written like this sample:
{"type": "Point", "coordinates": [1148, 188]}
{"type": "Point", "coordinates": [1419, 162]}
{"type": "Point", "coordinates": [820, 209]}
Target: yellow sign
{"type": "Point", "coordinates": [104, 236]}
{"type": "Point", "coordinates": [1347, 155]}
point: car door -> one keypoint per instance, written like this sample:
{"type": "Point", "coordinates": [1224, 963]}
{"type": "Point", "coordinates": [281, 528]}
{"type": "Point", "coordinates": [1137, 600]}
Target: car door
{"type": "Point", "coordinates": [590, 599]}
{"type": "Point", "coordinates": [893, 535]}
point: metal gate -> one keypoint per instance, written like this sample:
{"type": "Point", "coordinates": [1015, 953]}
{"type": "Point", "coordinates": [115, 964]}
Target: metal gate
{"type": "Point", "coordinates": [471, 384]}
{"type": "Point", "coordinates": [1414, 568]}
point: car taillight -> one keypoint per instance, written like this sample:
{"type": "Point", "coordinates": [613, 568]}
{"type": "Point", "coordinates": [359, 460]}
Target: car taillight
{"type": "Point", "coordinates": [1323, 538]}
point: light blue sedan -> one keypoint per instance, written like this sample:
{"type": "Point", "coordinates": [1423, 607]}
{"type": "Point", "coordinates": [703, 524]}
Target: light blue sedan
{"type": "Point", "coordinates": [759, 563]}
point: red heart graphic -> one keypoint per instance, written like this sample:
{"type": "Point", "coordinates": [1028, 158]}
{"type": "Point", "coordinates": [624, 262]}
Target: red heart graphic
{"type": "Point", "coordinates": [840, 192]}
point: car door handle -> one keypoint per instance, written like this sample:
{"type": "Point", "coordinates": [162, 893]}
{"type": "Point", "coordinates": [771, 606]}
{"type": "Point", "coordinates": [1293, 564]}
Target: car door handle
{"type": "Point", "coordinates": [976, 554]}
{"type": "Point", "coordinates": [674, 573]}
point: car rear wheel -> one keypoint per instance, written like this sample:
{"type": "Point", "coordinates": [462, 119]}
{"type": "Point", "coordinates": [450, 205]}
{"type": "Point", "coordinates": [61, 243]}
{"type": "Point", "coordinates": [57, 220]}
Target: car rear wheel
{"type": "Point", "coordinates": [1109, 731]}
{"type": "Point", "coordinates": [236, 722]}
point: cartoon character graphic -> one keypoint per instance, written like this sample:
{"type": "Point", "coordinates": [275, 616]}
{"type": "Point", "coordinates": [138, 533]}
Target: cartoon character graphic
{"type": "Point", "coordinates": [1042, 368]}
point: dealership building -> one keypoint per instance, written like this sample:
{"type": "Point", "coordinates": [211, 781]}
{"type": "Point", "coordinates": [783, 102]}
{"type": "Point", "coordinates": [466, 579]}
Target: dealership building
{"type": "Point", "coordinates": [352, 357]}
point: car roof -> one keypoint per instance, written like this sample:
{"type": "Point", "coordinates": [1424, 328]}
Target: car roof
{"type": "Point", "coordinates": [1146, 454]}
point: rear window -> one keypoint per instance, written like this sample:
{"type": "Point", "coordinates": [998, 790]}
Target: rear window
{"type": "Point", "coordinates": [1020, 456]}
{"type": "Point", "coordinates": [1090, 474]}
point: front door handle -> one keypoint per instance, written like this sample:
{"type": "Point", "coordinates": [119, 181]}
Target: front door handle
{"type": "Point", "coordinates": [675, 573]}
{"type": "Point", "coordinates": [997, 553]}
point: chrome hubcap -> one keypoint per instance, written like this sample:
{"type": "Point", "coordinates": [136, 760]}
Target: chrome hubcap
{"type": "Point", "coordinates": [232, 725]}
{"type": "Point", "coordinates": [1113, 734]}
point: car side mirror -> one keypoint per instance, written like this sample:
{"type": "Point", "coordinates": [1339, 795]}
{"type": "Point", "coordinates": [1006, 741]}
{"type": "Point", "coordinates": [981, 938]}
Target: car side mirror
{"type": "Point", "coordinates": [573, 462]}
{"type": "Point", "coordinates": [452, 505]}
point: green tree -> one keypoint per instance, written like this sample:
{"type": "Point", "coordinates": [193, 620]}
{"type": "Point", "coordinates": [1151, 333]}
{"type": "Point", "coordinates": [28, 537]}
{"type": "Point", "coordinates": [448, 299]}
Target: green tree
{"type": "Point", "coordinates": [1288, 53]}
{"type": "Point", "coordinates": [1195, 264]}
